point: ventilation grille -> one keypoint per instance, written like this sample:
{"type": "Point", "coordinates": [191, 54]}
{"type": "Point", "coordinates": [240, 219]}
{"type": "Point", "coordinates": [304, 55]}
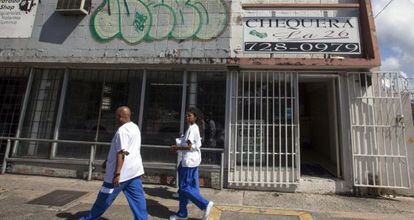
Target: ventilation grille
{"type": "Point", "coordinates": [73, 6]}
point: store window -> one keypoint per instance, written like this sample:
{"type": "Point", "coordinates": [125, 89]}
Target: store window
{"type": "Point", "coordinates": [207, 92]}
{"type": "Point", "coordinates": [121, 88]}
{"type": "Point", "coordinates": [41, 112]}
{"type": "Point", "coordinates": [162, 113]}
{"type": "Point", "coordinates": [13, 83]}
{"type": "Point", "coordinates": [92, 98]}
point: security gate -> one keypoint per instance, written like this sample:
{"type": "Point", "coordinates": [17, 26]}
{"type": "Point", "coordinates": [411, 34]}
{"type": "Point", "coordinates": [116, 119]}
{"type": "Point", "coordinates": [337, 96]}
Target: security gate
{"type": "Point", "coordinates": [378, 131]}
{"type": "Point", "coordinates": [13, 83]}
{"type": "Point", "coordinates": [264, 129]}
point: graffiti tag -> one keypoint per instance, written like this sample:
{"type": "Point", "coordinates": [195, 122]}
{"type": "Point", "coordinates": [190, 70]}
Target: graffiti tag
{"type": "Point", "coordinates": [134, 21]}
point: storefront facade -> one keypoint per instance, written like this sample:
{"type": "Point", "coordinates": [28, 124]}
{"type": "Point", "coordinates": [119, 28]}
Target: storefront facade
{"type": "Point", "coordinates": [289, 98]}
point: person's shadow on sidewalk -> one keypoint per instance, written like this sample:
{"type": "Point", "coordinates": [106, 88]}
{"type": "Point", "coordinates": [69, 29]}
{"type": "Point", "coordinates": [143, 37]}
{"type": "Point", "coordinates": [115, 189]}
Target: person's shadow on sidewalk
{"type": "Point", "coordinates": [154, 208]}
{"type": "Point", "coordinates": [161, 192]}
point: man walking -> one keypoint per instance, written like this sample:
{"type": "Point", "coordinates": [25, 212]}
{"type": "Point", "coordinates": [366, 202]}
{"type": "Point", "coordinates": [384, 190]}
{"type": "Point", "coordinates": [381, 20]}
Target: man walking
{"type": "Point", "coordinates": [123, 170]}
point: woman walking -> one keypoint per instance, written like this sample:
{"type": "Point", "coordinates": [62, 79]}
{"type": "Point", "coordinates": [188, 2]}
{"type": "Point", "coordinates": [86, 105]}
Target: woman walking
{"type": "Point", "coordinates": [188, 169]}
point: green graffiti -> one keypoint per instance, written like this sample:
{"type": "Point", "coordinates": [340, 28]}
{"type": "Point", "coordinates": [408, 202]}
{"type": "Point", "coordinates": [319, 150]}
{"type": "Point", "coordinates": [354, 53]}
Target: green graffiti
{"type": "Point", "coordinates": [139, 22]}
{"type": "Point", "coordinates": [134, 21]}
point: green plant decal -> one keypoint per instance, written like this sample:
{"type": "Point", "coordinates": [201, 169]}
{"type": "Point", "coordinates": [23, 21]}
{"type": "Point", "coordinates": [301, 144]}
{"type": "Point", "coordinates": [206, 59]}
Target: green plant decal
{"type": "Point", "coordinates": [258, 34]}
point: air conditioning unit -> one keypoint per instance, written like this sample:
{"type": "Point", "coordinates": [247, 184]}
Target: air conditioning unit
{"type": "Point", "coordinates": [73, 7]}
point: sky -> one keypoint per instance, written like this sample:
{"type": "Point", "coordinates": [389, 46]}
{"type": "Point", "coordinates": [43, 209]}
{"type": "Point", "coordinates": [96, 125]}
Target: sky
{"type": "Point", "coordinates": [395, 33]}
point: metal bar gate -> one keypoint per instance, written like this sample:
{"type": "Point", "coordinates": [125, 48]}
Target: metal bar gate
{"type": "Point", "coordinates": [377, 130]}
{"type": "Point", "coordinates": [264, 129]}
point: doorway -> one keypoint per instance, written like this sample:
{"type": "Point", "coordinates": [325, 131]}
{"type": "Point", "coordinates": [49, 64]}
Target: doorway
{"type": "Point", "coordinates": [319, 143]}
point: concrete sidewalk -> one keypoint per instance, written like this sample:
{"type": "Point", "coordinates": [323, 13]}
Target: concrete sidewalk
{"type": "Point", "coordinates": [17, 190]}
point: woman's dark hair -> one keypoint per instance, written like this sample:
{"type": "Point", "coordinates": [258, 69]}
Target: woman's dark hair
{"type": "Point", "coordinates": [199, 119]}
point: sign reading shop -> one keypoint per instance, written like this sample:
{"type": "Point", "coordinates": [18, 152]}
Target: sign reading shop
{"type": "Point", "coordinates": [338, 35]}
{"type": "Point", "coordinates": [17, 18]}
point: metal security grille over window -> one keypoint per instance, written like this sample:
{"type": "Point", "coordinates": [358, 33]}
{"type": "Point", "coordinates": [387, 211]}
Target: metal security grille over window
{"type": "Point", "coordinates": [378, 130]}
{"type": "Point", "coordinates": [66, 116]}
{"type": "Point", "coordinates": [264, 129]}
{"type": "Point", "coordinates": [13, 83]}
{"type": "Point", "coordinates": [42, 108]}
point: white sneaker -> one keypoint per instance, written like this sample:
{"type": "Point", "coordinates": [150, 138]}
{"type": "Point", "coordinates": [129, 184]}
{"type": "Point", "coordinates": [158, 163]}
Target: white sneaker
{"type": "Point", "coordinates": [175, 217]}
{"type": "Point", "coordinates": [208, 210]}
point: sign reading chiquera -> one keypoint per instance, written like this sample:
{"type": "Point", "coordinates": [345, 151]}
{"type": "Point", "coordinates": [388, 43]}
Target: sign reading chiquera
{"type": "Point", "coordinates": [338, 35]}
{"type": "Point", "coordinates": [17, 18]}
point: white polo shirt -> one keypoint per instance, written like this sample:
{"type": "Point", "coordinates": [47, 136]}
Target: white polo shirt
{"type": "Point", "coordinates": [192, 158]}
{"type": "Point", "coordinates": [127, 138]}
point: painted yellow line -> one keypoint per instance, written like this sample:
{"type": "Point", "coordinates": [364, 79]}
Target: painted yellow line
{"type": "Point", "coordinates": [218, 210]}
{"type": "Point", "coordinates": [215, 214]}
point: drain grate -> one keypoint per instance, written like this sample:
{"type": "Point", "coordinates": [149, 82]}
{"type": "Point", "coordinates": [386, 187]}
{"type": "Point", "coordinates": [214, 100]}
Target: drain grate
{"type": "Point", "coordinates": [57, 198]}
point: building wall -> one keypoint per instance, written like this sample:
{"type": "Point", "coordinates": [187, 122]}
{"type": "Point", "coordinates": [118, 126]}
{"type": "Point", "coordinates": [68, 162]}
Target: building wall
{"type": "Point", "coordinates": [59, 39]}
{"type": "Point", "coordinates": [71, 39]}
{"type": "Point", "coordinates": [98, 37]}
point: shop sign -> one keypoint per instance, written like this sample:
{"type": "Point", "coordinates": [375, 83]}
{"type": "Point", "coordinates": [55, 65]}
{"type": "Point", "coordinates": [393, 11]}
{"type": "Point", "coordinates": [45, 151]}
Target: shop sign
{"type": "Point", "coordinates": [17, 18]}
{"type": "Point", "coordinates": [334, 35]}
{"type": "Point", "coordinates": [250, 139]}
